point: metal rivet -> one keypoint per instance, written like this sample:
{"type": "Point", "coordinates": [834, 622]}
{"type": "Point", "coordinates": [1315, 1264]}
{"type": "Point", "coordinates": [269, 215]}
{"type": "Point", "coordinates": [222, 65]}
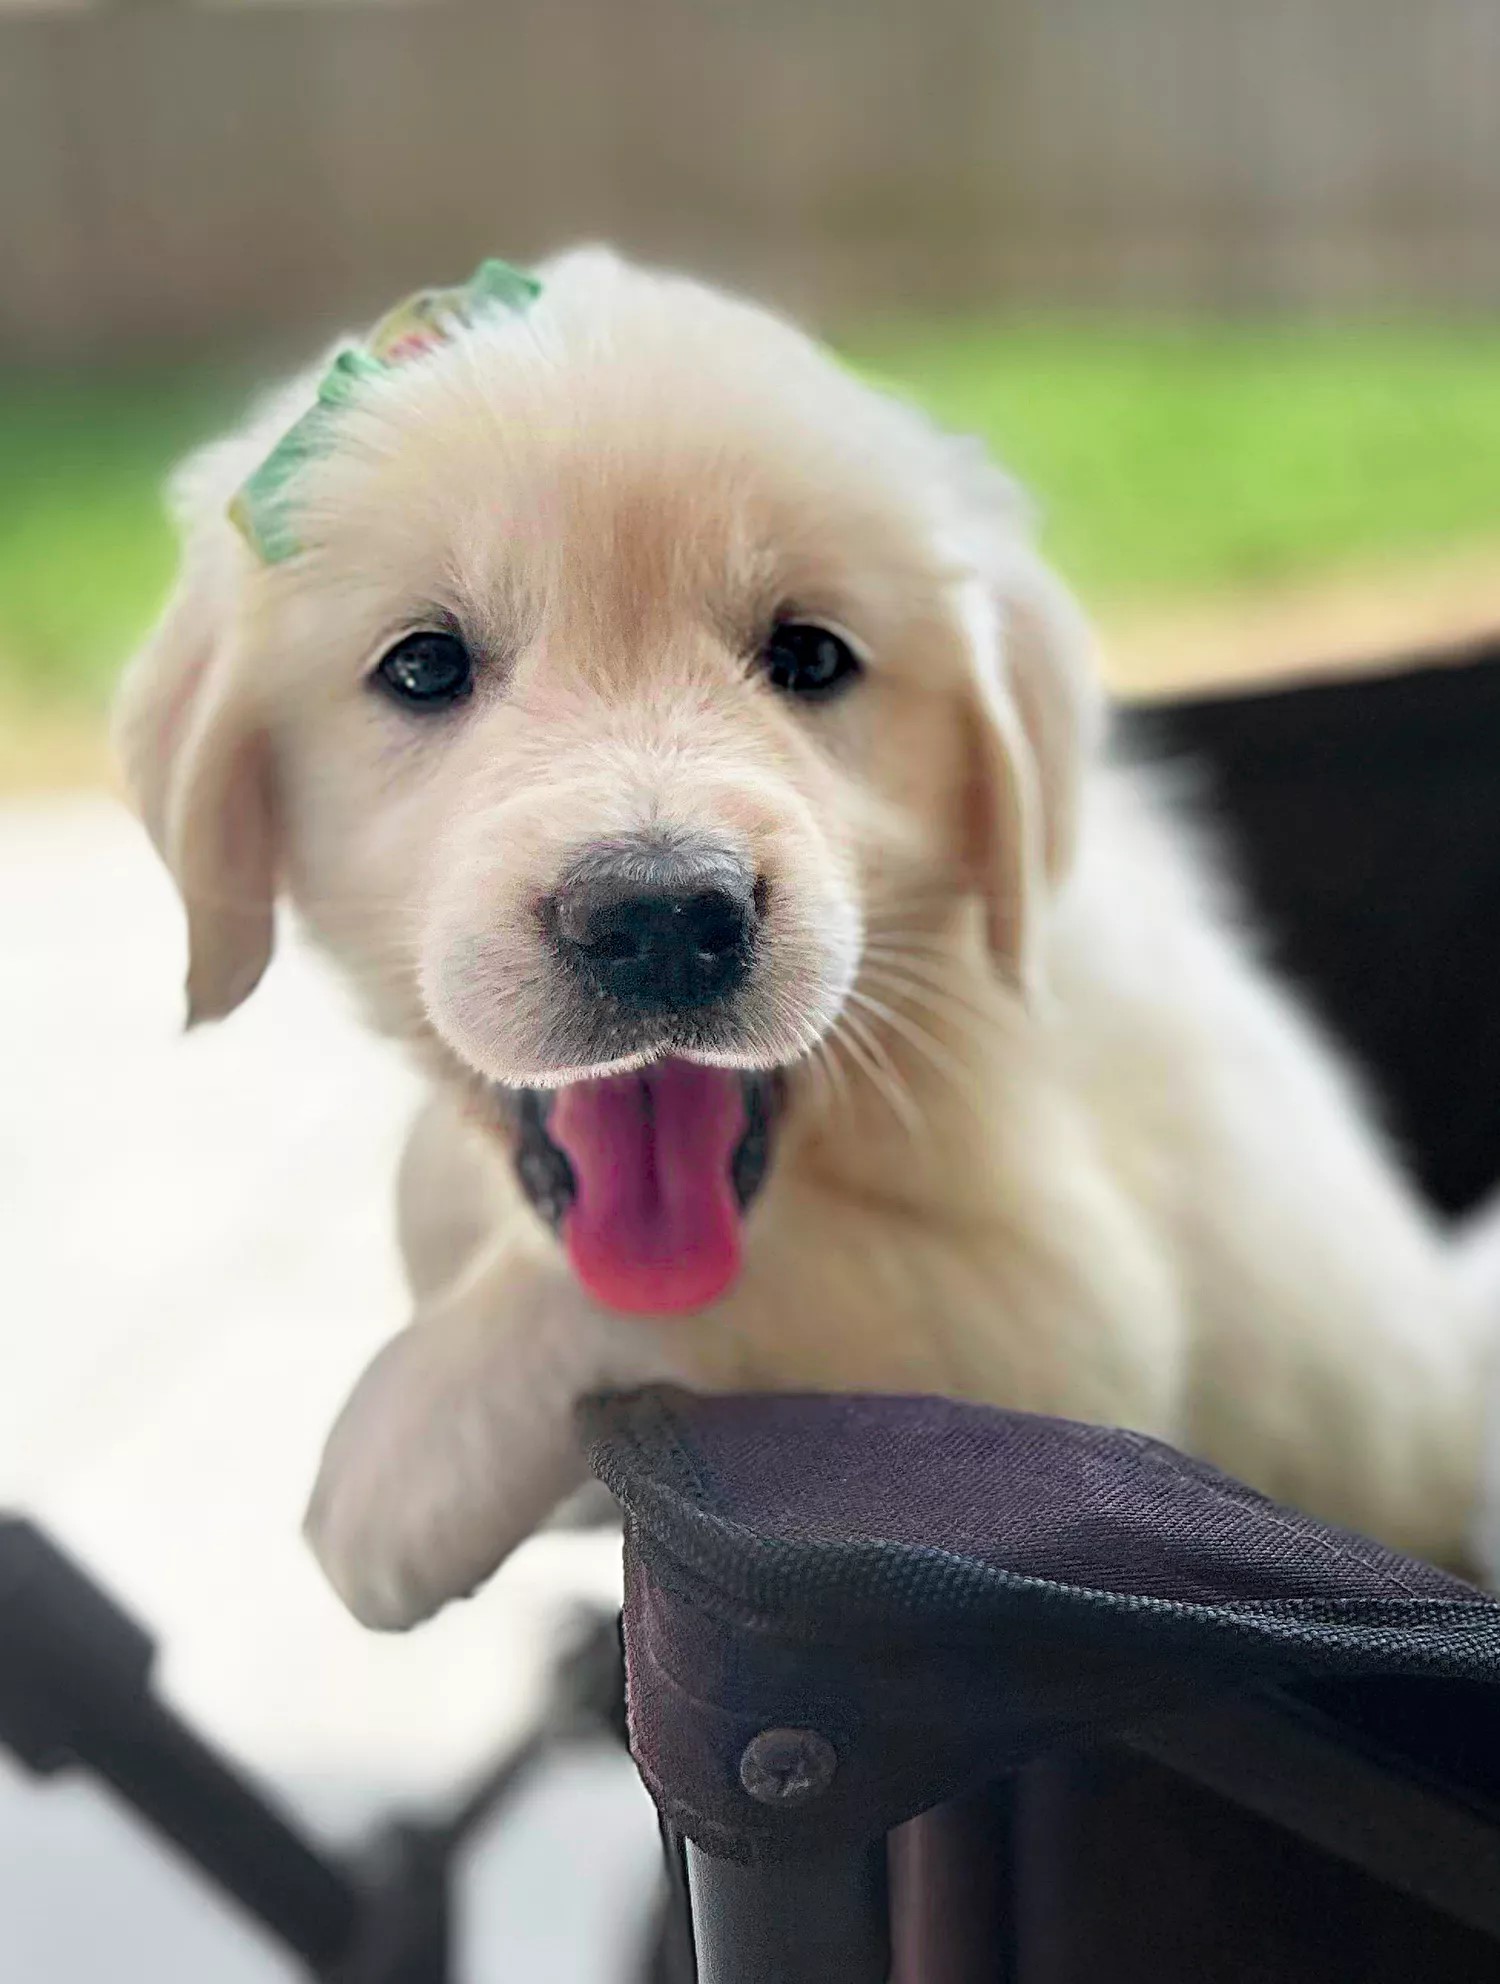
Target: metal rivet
{"type": "Point", "coordinates": [788, 1766]}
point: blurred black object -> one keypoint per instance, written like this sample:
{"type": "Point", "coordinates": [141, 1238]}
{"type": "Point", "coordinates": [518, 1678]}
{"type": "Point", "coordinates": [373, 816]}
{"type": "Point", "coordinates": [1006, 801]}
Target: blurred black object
{"type": "Point", "coordinates": [1363, 816]}
{"type": "Point", "coordinates": [1272, 1756]}
{"type": "Point", "coordinates": [76, 1693]}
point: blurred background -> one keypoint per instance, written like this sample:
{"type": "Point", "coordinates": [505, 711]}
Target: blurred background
{"type": "Point", "coordinates": [1220, 282]}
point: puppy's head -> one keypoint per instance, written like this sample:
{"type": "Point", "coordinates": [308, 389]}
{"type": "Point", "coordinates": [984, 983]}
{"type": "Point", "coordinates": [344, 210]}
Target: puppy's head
{"type": "Point", "coordinates": [595, 677]}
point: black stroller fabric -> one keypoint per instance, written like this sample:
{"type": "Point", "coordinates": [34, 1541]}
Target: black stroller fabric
{"type": "Point", "coordinates": [943, 1592]}
{"type": "Point", "coordinates": [1363, 817]}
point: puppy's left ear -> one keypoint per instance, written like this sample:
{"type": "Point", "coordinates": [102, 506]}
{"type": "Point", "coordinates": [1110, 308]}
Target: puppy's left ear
{"type": "Point", "coordinates": [1039, 716]}
{"type": "Point", "coordinates": [198, 765]}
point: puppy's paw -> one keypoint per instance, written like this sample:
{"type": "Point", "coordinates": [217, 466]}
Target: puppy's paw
{"type": "Point", "coordinates": [444, 1459]}
{"type": "Point", "coordinates": [458, 1442]}
{"type": "Point", "coordinates": [376, 1574]}
{"type": "Point", "coordinates": [380, 1522]}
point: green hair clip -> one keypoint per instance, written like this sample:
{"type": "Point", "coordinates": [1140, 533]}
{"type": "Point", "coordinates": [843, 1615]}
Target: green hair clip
{"type": "Point", "coordinates": [260, 510]}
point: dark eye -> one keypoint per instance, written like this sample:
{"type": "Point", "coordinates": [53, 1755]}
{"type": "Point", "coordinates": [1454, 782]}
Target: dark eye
{"type": "Point", "coordinates": [427, 671]}
{"type": "Point", "coordinates": [807, 660]}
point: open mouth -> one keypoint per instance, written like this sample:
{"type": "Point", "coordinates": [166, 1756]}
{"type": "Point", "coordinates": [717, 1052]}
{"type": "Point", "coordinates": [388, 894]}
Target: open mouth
{"type": "Point", "coordinates": [646, 1178]}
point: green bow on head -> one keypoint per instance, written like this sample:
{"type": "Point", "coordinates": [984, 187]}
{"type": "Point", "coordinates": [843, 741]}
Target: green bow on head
{"type": "Point", "coordinates": [261, 509]}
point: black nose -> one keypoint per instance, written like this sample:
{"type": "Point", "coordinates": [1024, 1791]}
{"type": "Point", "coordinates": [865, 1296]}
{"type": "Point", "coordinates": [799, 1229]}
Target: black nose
{"type": "Point", "coordinates": [658, 929]}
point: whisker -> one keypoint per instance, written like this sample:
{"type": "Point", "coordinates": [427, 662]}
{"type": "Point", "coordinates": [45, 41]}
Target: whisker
{"type": "Point", "coordinates": [977, 1022]}
{"type": "Point", "coordinates": [917, 1037]}
{"type": "Point", "coordinates": [819, 1065]}
{"type": "Point", "coordinates": [887, 1084]}
{"type": "Point", "coordinates": [916, 942]}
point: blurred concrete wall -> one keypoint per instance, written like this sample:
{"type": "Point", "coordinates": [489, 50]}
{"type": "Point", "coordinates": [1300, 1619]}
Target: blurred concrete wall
{"type": "Point", "coordinates": [171, 174]}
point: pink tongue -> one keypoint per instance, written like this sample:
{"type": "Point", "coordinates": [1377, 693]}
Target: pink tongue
{"type": "Point", "coordinates": [655, 1226]}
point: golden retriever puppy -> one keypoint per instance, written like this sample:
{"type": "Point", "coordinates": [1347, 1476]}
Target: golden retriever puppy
{"type": "Point", "coordinates": [684, 752]}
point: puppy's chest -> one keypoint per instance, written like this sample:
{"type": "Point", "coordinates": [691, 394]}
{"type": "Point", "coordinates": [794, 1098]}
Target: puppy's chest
{"type": "Point", "coordinates": [855, 1299]}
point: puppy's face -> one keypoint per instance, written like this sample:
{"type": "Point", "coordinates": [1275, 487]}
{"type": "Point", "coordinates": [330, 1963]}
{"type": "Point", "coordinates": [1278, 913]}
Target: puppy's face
{"type": "Point", "coordinates": [634, 666]}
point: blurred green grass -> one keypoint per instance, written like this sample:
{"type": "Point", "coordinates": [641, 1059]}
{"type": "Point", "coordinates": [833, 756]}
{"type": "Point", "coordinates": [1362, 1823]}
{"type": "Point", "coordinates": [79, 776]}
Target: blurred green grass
{"type": "Point", "coordinates": [1172, 462]}
{"type": "Point", "coordinates": [85, 547]}
{"type": "Point", "coordinates": [1167, 462]}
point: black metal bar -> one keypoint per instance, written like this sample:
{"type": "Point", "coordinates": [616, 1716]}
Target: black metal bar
{"type": "Point", "coordinates": [813, 1920]}
{"type": "Point", "coordinates": [75, 1689]}
{"type": "Point", "coordinates": [196, 1800]}
{"type": "Point", "coordinates": [405, 1928]}
{"type": "Point", "coordinates": [953, 1898]}
{"type": "Point", "coordinates": [669, 1957]}
{"type": "Point", "coordinates": [1302, 1775]}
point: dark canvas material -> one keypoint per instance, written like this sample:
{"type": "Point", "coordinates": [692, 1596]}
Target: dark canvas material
{"type": "Point", "coordinates": [944, 1591]}
{"type": "Point", "coordinates": [1364, 819]}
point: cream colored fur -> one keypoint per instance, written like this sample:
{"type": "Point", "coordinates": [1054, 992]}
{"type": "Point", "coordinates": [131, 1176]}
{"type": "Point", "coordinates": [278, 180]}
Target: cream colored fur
{"type": "Point", "coordinates": [1054, 1140]}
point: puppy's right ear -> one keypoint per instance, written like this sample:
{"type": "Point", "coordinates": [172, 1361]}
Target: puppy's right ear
{"type": "Point", "coordinates": [1040, 711]}
{"type": "Point", "coordinates": [196, 758]}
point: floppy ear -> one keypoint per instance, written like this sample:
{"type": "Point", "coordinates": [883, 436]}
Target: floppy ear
{"type": "Point", "coordinates": [197, 764]}
{"type": "Point", "coordinates": [1040, 714]}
